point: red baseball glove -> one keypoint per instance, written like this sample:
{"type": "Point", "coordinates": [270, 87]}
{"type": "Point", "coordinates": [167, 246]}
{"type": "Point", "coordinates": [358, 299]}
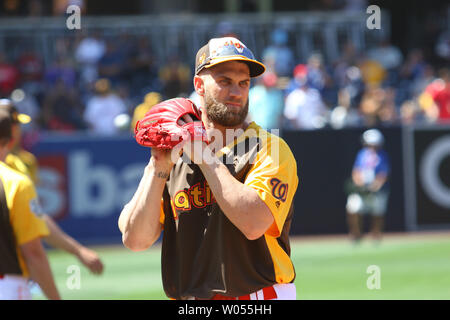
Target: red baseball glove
{"type": "Point", "coordinates": [160, 129]}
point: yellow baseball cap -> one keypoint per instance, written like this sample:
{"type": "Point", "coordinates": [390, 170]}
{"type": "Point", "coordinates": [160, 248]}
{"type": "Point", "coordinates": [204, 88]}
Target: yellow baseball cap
{"type": "Point", "coordinates": [16, 117]}
{"type": "Point", "coordinates": [219, 50]}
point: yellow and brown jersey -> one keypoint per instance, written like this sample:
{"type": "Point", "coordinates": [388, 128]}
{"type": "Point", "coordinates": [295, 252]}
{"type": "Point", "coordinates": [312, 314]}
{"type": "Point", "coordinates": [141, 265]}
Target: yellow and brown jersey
{"type": "Point", "coordinates": [24, 162]}
{"type": "Point", "coordinates": [19, 210]}
{"type": "Point", "coordinates": [203, 253]}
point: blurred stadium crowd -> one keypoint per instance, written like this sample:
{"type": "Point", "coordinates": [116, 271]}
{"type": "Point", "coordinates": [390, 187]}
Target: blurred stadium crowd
{"type": "Point", "coordinates": [94, 79]}
{"type": "Point", "coordinates": [376, 87]}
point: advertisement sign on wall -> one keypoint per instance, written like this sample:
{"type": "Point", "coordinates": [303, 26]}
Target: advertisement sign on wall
{"type": "Point", "coordinates": [432, 177]}
{"type": "Point", "coordinates": [85, 182]}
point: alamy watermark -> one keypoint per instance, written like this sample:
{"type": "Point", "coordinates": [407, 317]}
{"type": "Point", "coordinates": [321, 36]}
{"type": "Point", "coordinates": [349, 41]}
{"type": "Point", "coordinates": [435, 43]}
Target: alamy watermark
{"type": "Point", "coordinates": [374, 20]}
{"type": "Point", "coordinates": [73, 281]}
{"type": "Point", "coordinates": [73, 21]}
{"type": "Point", "coordinates": [374, 280]}
{"type": "Point", "coordinates": [246, 144]}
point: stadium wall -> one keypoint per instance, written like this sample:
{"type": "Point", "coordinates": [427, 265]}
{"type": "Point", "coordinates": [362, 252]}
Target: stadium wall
{"type": "Point", "coordinates": [85, 180]}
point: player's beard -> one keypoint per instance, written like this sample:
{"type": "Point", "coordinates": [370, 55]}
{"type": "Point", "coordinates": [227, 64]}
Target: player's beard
{"type": "Point", "coordinates": [219, 113]}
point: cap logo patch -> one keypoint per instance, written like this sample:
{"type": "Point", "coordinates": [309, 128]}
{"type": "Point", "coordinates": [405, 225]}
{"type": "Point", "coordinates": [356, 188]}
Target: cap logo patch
{"type": "Point", "coordinates": [202, 58]}
{"type": "Point", "coordinates": [228, 47]}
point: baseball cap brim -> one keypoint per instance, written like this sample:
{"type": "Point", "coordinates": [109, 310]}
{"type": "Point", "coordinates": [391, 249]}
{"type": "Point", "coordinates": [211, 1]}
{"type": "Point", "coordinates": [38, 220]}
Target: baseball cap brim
{"type": "Point", "coordinates": [16, 117]}
{"type": "Point", "coordinates": [256, 67]}
{"type": "Point", "coordinates": [23, 118]}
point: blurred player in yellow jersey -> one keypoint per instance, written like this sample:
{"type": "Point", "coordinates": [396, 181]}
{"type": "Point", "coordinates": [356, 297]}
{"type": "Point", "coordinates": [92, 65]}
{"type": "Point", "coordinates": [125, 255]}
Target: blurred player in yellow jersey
{"type": "Point", "coordinates": [150, 100]}
{"type": "Point", "coordinates": [26, 163]}
{"type": "Point", "coordinates": [22, 254]}
{"type": "Point", "coordinates": [19, 158]}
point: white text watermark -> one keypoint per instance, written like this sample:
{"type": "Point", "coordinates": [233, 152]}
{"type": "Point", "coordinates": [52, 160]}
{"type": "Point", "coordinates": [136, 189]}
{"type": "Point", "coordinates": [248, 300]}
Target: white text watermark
{"type": "Point", "coordinates": [374, 280]}
{"type": "Point", "coordinates": [374, 20]}
{"type": "Point", "coordinates": [73, 21]}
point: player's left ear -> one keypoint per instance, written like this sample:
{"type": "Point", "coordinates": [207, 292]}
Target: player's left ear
{"type": "Point", "coordinates": [199, 85]}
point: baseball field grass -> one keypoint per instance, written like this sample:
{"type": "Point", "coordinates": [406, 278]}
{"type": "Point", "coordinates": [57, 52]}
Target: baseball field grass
{"type": "Point", "coordinates": [401, 267]}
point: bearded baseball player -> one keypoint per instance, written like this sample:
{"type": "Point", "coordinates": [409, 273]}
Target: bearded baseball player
{"type": "Point", "coordinates": [221, 188]}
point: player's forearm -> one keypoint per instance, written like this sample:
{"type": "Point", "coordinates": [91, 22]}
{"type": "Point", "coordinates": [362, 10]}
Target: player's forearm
{"type": "Point", "coordinates": [139, 219]}
{"type": "Point", "coordinates": [379, 182]}
{"type": "Point", "coordinates": [357, 177]}
{"type": "Point", "coordinates": [240, 203]}
{"type": "Point", "coordinates": [59, 239]}
{"type": "Point", "coordinates": [39, 268]}
{"type": "Point", "coordinates": [41, 273]}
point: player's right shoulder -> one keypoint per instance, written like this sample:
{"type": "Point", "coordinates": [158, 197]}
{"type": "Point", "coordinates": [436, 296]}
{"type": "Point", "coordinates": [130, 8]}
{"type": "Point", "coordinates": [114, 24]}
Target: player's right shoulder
{"type": "Point", "coordinates": [274, 143]}
{"type": "Point", "coordinates": [275, 150]}
{"type": "Point", "coordinates": [11, 176]}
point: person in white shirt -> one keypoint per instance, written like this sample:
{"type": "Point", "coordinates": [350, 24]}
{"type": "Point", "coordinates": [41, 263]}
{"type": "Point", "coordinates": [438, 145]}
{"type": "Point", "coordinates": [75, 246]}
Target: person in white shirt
{"type": "Point", "coordinates": [304, 107]}
{"type": "Point", "coordinates": [87, 54]}
{"type": "Point", "coordinates": [103, 108]}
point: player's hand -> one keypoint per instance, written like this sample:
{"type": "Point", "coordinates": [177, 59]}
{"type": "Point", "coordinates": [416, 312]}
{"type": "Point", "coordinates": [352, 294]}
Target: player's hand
{"type": "Point", "coordinates": [164, 159]}
{"type": "Point", "coordinates": [91, 260]}
{"type": "Point", "coordinates": [195, 150]}
{"type": "Point", "coordinates": [374, 187]}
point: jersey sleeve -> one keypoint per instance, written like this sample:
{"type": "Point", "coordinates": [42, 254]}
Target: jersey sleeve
{"type": "Point", "coordinates": [161, 212]}
{"type": "Point", "coordinates": [384, 166]}
{"type": "Point", "coordinates": [359, 160]}
{"type": "Point", "coordinates": [274, 177]}
{"type": "Point", "coordinates": [25, 212]}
